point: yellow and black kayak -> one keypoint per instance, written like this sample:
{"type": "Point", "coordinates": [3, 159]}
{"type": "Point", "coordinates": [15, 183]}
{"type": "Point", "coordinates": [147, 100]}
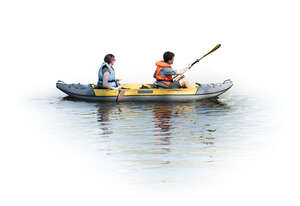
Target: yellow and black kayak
{"type": "Point", "coordinates": [144, 92]}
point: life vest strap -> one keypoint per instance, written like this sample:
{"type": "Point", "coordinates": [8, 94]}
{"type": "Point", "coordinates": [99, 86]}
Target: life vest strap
{"type": "Point", "coordinates": [108, 81]}
{"type": "Point", "coordinates": [161, 80]}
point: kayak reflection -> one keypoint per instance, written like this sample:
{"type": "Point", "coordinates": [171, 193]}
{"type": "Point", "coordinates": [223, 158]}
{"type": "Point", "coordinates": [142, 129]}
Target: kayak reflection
{"type": "Point", "coordinates": [138, 131]}
{"type": "Point", "coordinates": [152, 137]}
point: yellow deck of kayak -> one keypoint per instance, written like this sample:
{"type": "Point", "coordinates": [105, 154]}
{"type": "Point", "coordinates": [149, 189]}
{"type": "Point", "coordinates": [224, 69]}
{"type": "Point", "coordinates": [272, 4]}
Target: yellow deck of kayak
{"type": "Point", "coordinates": [135, 90]}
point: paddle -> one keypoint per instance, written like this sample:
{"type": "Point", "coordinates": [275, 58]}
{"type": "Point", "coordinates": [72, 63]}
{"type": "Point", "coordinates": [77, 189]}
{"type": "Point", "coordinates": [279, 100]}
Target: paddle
{"type": "Point", "coordinates": [121, 94]}
{"type": "Point", "coordinates": [211, 51]}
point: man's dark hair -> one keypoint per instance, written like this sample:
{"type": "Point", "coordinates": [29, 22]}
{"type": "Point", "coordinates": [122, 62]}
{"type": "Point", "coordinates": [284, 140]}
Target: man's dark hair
{"type": "Point", "coordinates": [108, 58]}
{"type": "Point", "coordinates": [168, 56]}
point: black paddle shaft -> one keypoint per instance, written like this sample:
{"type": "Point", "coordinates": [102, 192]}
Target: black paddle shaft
{"type": "Point", "coordinates": [195, 62]}
{"type": "Point", "coordinates": [211, 51]}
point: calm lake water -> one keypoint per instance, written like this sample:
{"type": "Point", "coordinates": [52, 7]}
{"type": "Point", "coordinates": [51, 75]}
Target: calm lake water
{"type": "Point", "coordinates": [162, 142]}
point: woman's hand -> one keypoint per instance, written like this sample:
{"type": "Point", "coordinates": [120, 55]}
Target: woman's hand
{"type": "Point", "coordinates": [116, 88]}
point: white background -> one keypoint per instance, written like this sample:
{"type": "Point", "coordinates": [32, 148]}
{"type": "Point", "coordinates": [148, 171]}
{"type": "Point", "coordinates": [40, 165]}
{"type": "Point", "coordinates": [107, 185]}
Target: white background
{"type": "Point", "coordinates": [43, 41]}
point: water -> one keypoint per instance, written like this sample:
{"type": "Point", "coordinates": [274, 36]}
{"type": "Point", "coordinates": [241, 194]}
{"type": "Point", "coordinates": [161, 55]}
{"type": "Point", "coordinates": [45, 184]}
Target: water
{"type": "Point", "coordinates": [162, 142]}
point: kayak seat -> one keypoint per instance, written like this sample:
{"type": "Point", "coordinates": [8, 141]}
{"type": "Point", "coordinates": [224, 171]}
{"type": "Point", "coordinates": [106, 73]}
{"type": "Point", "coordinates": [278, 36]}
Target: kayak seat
{"type": "Point", "coordinates": [160, 85]}
{"type": "Point", "coordinates": [98, 87]}
{"type": "Point", "coordinates": [145, 87]}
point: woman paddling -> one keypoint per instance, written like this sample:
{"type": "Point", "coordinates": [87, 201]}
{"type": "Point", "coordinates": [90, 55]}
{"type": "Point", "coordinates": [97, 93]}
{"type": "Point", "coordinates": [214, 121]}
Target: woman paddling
{"type": "Point", "coordinates": [106, 74]}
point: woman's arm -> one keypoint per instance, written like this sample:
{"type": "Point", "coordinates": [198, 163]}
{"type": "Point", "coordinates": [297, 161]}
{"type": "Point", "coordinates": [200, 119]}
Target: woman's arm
{"type": "Point", "coordinates": [105, 81]}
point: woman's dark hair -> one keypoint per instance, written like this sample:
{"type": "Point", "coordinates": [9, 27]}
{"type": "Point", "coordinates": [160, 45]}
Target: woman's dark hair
{"type": "Point", "coordinates": [168, 56]}
{"type": "Point", "coordinates": [108, 58]}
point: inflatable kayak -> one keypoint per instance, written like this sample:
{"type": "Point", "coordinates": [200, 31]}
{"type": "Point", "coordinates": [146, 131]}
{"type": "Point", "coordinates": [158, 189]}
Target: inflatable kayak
{"type": "Point", "coordinates": [144, 92]}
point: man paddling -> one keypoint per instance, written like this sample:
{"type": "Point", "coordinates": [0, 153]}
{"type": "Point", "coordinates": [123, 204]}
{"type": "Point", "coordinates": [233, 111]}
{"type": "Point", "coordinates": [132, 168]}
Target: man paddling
{"type": "Point", "coordinates": [164, 73]}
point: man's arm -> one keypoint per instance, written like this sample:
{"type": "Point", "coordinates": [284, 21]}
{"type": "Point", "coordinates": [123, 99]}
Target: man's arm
{"type": "Point", "coordinates": [182, 71]}
{"type": "Point", "coordinates": [167, 71]}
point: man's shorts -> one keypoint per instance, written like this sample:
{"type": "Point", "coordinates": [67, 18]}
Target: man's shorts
{"type": "Point", "coordinates": [174, 85]}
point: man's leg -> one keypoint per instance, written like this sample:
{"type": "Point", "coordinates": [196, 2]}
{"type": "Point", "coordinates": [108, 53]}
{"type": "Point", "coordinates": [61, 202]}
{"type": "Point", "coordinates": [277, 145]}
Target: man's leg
{"type": "Point", "coordinates": [184, 82]}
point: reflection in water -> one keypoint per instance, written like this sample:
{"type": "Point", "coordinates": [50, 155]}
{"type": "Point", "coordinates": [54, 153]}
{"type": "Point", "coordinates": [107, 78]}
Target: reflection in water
{"type": "Point", "coordinates": [165, 137]}
{"type": "Point", "coordinates": [162, 117]}
{"type": "Point", "coordinates": [140, 132]}
{"type": "Point", "coordinates": [103, 119]}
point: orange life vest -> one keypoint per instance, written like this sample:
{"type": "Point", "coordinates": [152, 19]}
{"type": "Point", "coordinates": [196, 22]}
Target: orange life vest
{"type": "Point", "coordinates": [167, 79]}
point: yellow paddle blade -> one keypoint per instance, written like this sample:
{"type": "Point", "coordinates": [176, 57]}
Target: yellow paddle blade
{"type": "Point", "coordinates": [211, 51]}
